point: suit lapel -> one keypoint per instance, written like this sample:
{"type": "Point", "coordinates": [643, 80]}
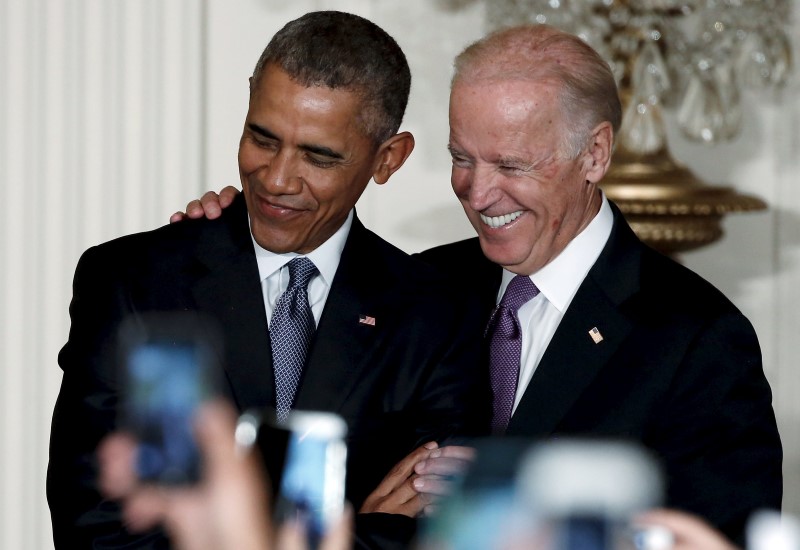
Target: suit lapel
{"type": "Point", "coordinates": [488, 277]}
{"type": "Point", "coordinates": [231, 292]}
{"type": "Point", "coordinates": [341, 344]}
{"type": "Point", "coordinates": [572, 359]}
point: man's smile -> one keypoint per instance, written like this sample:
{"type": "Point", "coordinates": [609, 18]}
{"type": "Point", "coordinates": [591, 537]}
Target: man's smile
{"type": "Point", "coordinates": [503, 219]}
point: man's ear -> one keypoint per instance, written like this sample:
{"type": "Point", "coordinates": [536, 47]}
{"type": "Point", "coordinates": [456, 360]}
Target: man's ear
{"type": "Point", "coordinates": [391, 155]}
{"type": "Point", "coordinates": [599, 153]}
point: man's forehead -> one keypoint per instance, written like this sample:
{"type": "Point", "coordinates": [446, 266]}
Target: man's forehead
{"type": "Point", "coordinates": [509, 101]}
{"type": "Point", "coordinates": [274, 71]}
{"type": "Point", "coordinates": [510, 84]}
{"type": "Point", "coordinates": [507, 95]}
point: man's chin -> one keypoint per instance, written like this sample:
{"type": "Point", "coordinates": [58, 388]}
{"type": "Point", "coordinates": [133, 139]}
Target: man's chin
{"type": "Point", "coordinates": [497, 254]}
{"type": "Point", "coordinates": [270, 239]}
{"type": "Point", "coordinates": [515, 261]}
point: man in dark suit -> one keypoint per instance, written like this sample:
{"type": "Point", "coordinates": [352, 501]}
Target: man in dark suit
{"type": "Point", "coordinates": [391, 351]}
{"type": "Point", "coordinates": [612, 339]}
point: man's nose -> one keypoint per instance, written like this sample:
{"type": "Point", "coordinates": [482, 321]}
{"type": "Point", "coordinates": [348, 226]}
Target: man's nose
{"type": "Point", "coordinates": [482, 187]}
{"type": "Point", "coordinates": [281, 176]}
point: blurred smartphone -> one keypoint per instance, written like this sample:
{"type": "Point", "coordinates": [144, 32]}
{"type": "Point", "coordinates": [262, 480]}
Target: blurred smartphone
{"type": "Point", "coordinates": [171, 365]}
{"type": "Point", "coordinates": [309, 453]}
{"type": "Point", "coordinates": [585, 492]}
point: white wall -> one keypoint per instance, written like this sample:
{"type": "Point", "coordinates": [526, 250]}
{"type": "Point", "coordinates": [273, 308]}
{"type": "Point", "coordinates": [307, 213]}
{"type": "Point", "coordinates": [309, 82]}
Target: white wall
{"type": "Point", "coordinates": [101, 123]}
{"type": "Point", "coordinates": [114, 113]}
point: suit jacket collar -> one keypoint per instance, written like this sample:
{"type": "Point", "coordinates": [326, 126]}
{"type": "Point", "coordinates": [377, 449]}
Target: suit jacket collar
{"type": "Point", "coordinates": [484, 277]}
{"type": "Point", "coordinates": [572, 359]}
{"type": "Point", "coordinates": [230, 290]}
{"type": "Point", "coordinates": [339, 345]}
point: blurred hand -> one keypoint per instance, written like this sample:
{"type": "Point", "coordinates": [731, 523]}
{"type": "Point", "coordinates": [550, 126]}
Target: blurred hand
{"type": "Point", "coordinates": [689, 531]}
{"type": "Point", "coordinates": [209, 205]}
{"type": "Point", "coordinates": [227, 509]}
{"type": "Point", "coordinates": [437, 474]}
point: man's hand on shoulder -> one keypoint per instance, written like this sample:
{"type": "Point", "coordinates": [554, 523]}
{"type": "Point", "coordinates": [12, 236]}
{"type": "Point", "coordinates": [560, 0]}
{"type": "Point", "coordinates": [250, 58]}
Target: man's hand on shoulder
{"type": "Point", "coordinates": [210, 205]}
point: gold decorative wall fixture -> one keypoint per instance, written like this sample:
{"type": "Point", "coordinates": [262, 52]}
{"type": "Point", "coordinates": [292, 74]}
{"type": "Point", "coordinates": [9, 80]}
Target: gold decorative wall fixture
{"type": "Point", "coordinates": [693, 56]}
{"type": "Point", "coordinates": [667, 206]}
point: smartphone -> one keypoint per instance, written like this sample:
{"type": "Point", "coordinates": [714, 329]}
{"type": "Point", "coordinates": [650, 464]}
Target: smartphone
{"type": "Point", "coordinates": [585, 492]}
{"type": "Point", "coordinates": [171, 364]}
{"type": "Point", "coordinates": [308, 453]}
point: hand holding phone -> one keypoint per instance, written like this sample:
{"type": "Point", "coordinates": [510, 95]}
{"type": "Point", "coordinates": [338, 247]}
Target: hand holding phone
{"type": "Point", "coordinates": [306, 458]}
{"type": "Point", "coordinates": [171, 362]}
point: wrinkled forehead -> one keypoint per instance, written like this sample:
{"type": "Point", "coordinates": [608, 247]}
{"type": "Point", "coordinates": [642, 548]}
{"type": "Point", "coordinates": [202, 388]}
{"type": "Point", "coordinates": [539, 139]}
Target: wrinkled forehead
{"type": "Point", "coordinates": [507, 118]}
{"type": "Point", "coordinates": [514, 98]}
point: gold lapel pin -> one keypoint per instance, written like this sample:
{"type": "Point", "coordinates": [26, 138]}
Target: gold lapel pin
{"type": "Point", "coordinates": [596, 336]}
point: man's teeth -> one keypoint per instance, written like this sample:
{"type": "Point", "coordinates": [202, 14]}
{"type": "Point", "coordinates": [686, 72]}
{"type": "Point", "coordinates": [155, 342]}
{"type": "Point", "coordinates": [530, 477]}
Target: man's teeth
{"type": "Point", "coordinates": [499, 221]}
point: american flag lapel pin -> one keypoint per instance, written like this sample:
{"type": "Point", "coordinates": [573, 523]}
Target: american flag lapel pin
{"type": "Point", "coordinates": [596, 336]}
{"type": "Point", "coordinates": [366, 320]}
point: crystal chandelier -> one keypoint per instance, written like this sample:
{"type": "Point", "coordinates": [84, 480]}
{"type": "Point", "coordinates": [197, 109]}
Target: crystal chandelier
{"type": "Point", "coordinates": [693, 57]}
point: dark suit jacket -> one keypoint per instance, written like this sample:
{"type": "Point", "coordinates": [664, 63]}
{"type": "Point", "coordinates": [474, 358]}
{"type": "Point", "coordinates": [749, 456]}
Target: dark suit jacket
{"type": "Point", "coordinates": [416, 375]}
{"type": "Point", "coordinates": [679, 370]}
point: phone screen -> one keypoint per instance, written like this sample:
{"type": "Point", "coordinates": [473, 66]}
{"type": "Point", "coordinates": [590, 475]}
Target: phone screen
{"type": "Point", "coordinates": [170, 368]}
{"type": "Point", "coordinates": [312, 463]}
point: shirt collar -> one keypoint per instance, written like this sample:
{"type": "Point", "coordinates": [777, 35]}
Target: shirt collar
{"type": "Point", "coordinates": [559, 280]}
{"type": "Point", "coordinates": [326, 256]}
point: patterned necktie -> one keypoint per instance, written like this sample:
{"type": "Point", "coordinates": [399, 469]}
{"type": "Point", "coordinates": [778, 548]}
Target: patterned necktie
{"type": "Point", "coordinates": [505, 349]}
{"type": "Point", "coordinates": [290, 332]}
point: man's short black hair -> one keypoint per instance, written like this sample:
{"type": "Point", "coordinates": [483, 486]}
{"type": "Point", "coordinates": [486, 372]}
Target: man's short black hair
{"type": "Point", "coordinates": [342, 50]}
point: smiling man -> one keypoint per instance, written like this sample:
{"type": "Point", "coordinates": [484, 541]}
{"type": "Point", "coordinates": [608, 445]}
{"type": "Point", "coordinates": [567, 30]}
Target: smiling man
{"type": "Point", "coordinates": [387, 344]}
{"type": "Point", "coordinates": [609, 338]}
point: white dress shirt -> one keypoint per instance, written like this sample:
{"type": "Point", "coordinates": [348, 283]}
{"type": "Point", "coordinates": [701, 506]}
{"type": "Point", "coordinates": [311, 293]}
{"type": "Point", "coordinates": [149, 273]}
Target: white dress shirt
{"type": "Point", "coordinates": [274, 273]}
{"type": "Point", "coordinates": [558, 281]}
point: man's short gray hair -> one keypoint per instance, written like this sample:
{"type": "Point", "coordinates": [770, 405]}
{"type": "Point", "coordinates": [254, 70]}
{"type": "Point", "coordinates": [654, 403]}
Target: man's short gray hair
{"type": "Point", "coordinates": [587, 90]}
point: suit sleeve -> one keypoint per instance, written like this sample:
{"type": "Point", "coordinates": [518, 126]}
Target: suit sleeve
{"type": "Point", "coordinates": [456, 396]}
{"type": "Point", "coordinates": [451, 406]}
{"type": "Point", "coordinates": [85, 412]}
{"type": "Point", "coordinates": [717, 432]}
{"type": "Point", "coordinates": [429, 383]}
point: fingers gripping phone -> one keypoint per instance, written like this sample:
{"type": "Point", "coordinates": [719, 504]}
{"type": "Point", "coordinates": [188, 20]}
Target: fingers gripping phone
{"type": "Point", "coordinates": [306, 456]}
{"type": "Point", "coordinates": [171, 365]}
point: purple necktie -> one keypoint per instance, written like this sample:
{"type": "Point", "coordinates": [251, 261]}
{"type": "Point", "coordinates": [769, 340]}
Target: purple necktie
{"type": "Point", "coordinates": [505, 348]}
